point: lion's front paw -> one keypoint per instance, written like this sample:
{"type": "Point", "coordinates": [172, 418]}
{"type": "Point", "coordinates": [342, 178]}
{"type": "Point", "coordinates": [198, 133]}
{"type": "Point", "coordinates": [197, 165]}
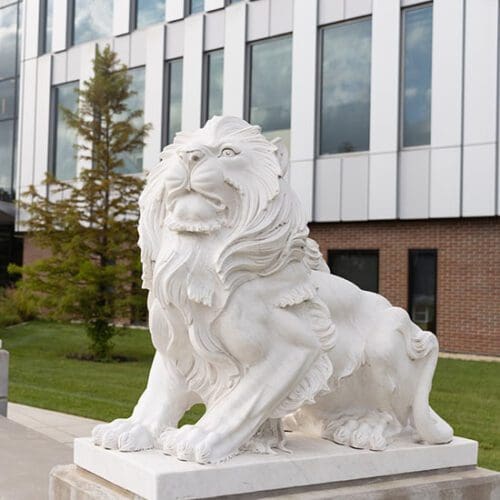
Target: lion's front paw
{"type": "Point", "coordinates": [122, 434]}
{"type": "Point", "coordinates": [194, 444]}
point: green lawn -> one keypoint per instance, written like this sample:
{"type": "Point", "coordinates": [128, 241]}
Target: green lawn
{"type": "Point", "coordinates": [466, 393]}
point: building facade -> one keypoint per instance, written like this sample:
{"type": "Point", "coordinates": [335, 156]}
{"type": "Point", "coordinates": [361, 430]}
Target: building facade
{"type": "Point", "coordinates": [390, 109]}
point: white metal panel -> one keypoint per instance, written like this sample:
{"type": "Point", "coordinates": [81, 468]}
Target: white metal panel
{"type": "Point", "coordinates": [174, 40]}
{"type": "Point", "coordinates": [414, 184]}
{"type": "Point", "coordinates": [60, 25]}
{"type": "Point", "coordinates": [31, 24]}
{"type": "Point", "coordinates": [281, 17]}
{"type": "Point", "coordinates": [480, 86]}
{"type": "Point", "coordinates": [59, 68]}
{"type": "Point", "coordinates": [357, 8]}
{"type": "Point", "coordinates": [174, 10]}
{"type": "Point", "coordinates": [304, 61]}
{"type": "Point", "coordinates": [121, 45]}
{"type": "Point", "coordinates": [301, 180]}
{"type": "Point", "coordinates": [121, 17]}
{"type": "Point", "coordinates": [73, 64]}
{"type": "Point", "coordinates": [330, 11]}
{"type": "Point", "coordinates": [43, 92]}
{"type": "Point", "coordinates": [192, 72]}
{"type": "Point", "coordinates": [153, 94]}
{"type": "Point", "coordinates": [27, 125]}
{"type": "Point", "coordinates": [234, 59]}
{"type": "Point", "coordinates": [447, 42]}
{"type": "Point", "coordinates": [384, 90]}
{"type": "Point", "coordinates": [382, 188]}
{"type": "Point", "coordinates": [354, 188]}
{"type": "Point", "coordinates": [445, 182]}
{"type": "Point", "coordinates": [214, 4]}
{"type": "Point", "coordinates": [478, 196]}
{"type": "Point", "coordinates": [138, 47]}
{"type": "Point", "coordinates": [327, 189]}
{"type": "Point", "coordinates": [214, 30]}
{"type": "Point", "coordinates": [257, 20]}
{"type": "Point", "coordinates": [409, 3]}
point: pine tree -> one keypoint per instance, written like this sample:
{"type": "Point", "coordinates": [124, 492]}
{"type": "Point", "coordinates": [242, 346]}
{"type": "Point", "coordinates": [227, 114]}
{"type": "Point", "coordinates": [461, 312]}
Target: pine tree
{"type": "Point", "coordinates": [89, 224]}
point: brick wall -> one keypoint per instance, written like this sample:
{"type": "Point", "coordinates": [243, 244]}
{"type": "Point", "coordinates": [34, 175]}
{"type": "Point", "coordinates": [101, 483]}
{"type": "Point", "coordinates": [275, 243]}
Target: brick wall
{"type": "Point", "coordinates": [32, 252]}
{"type": "Point", "coordinates": [468, 267]}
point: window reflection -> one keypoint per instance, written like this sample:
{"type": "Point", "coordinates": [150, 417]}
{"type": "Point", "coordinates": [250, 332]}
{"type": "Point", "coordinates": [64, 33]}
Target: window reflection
{"type": "Point", "coordinates": [8, 37]}
{"type": "Point", "coordinates": [417, 62]}
{"type": "Point", "coordinates": [358, 266]}
{"type": "Point", "coordinates": [345, 87]}
{"type": "Point", "coordinates": [132, 161]}
{"type": "Point", "coordinates": [93, 19]}
{"type": "Point", "coordinates": [48, 14]}
{"type": "Point", "coordinates": [271, 86]}
{"type": "Point", "coordinates": [6, 155]}
{"type": "Point", "coordinates": [65, 138]}
{"type": "Point", "coordinates": [7, 98]}
{"type": "Point", "coordinates": [214, 75]}
{"type": "Point", "coordinates": [173, 99]}
{"type": "Point", "coordinates": [196, 6]}
{"type": "Point", "coordinates": [149, 12]}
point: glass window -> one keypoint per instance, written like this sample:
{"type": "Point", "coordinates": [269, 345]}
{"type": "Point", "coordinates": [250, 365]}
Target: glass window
{"type": "Point", "coordinates": [132, 161]}
{"type": "Point", "coordinates": [6, 156]}
{"type": "Point", "coordinates": [196, 6]}
{"type": "Point", "coordinates": [7, 98]}
{"type": "Point", "coordinates": [345, 87]}
{"type": "Point", "coordinates": [64, 140]}
{"type": "Point", "coordinates": [214, 75]}
{"type": "Point", "coordinates": [48, 15]}
{"type": "Point", "coordinates": [358, 266]}
{"type": "Point", "coordinates": [271, 86]}
{"type": "Point", "coordinates": [422, 288]}
{"type": "Point", "coordinates": [149, 12]}
{"type": "Point", "coordinates": [173, 101]}
{"type": "Point", "coordinates": [93, 19]}
{"type": "Point", "coordinates": [417, 66]}
{"type": "Point", "coordinates": [8, 38]}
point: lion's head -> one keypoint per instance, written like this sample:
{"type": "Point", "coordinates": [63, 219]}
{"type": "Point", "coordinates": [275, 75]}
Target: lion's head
{"type": "Point", "coordinates": [227, 180]}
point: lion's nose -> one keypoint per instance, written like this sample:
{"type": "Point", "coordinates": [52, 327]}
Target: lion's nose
{"type": "Point", "coordinates": [191, 157]}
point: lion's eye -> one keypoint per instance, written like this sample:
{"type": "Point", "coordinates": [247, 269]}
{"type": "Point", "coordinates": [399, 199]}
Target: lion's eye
{"type": "Point", "coordinates": [228, 152]}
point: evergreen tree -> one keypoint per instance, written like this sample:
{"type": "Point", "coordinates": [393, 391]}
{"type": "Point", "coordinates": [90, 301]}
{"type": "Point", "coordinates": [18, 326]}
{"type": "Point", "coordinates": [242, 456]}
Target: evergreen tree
{"type": "Point", "coordinates": [89, 224]}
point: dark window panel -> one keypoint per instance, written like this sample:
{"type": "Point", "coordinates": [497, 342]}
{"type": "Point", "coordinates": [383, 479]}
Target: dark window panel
{"type": "Point", "coordinates": [7, 99]}
{"type": "Point", "coordinates": [271, 86]}
{"type": "Point", "coordinates": [417, 67]}
{"type": "Point", "coordinates": [358, 266]}
{"type": "Point", "coordinates": [196, 6]}
{"type": "Point", "coordinates": [422, 288]}
{"type": "Point", "coordinates": [8, 39]}
{"type": "Point", "coordinates": [173, 104]}
{"type": "Point", "coordinates": [65, 138]}
{"type": "Point", "coordinates": [47, 25]}
{"type": "Point", "coordinates": [93, 19]}
{"type": "Point", "coordinates": [132, 162]}
{"type": "Point", "coordinates": [6, 157]}
{"type": "Point", "coordinates": [149, 12]}
{"type": "Point", "coordinates": [345, 87]}
{"type": "Point", "coordinates": [214, 74]}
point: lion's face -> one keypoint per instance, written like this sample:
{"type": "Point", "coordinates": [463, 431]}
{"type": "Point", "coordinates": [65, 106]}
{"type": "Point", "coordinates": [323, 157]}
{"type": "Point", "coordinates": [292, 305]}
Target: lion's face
{"type": "Point", "coordinates": [208, 171]}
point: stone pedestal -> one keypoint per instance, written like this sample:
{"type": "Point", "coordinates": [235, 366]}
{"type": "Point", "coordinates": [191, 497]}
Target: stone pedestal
{"type": "Point", "coordinates": [4, 381]}
{"type": "Point", "coordinates": [314, 465]}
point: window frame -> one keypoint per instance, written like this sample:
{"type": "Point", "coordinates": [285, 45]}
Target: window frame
{"type": "Point", "coordinates": [430, 251]}
{"type": "Point", "coordinates": [401, 110]}
{"type": "Point", "coordinates": [247, 96]}
{"type": "Point", "coordinates": [205, 91]}
{"type": "Point", "coordinates": [165, 122]}
{"type": "Point", "coordinates": [319, 93]}
{"type": "Point", "coordinates": [332, 252]}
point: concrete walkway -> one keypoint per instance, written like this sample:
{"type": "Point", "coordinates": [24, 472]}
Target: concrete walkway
{"type": "Point", "coordinates": [58, 426]}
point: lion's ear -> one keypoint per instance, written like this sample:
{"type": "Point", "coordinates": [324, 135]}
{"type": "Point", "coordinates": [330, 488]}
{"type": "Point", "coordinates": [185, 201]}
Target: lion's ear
{"type": "Point", "coordinates": [282, 155]}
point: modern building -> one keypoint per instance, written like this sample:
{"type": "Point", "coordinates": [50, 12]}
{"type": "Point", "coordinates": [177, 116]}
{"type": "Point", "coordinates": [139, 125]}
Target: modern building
{"type": "Point", "coordinates": [390, 109]}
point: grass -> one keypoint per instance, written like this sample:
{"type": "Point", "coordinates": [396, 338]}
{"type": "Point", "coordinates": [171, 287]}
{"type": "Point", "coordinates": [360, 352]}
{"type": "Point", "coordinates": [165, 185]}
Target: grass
{"type": "Point", "coordinates": [465, 393]}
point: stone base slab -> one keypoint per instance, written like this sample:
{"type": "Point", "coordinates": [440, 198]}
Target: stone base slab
{"type": "Point", "coordinates": [312, 462]}
{"type": "Point", "coordinates": [69, 482]}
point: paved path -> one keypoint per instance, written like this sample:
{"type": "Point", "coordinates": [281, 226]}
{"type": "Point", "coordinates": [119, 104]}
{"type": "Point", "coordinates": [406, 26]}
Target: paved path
{"type": "Point", "coordinates": [59, 426]}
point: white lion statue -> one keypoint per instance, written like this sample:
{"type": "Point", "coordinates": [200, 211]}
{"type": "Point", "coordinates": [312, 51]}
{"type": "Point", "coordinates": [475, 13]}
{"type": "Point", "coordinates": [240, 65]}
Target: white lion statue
{"type": "Point", "coordinates": [246, 317]}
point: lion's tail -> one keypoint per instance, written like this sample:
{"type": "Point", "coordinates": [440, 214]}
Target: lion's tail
{"type": "Point", "coordinates": [423, 346]}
